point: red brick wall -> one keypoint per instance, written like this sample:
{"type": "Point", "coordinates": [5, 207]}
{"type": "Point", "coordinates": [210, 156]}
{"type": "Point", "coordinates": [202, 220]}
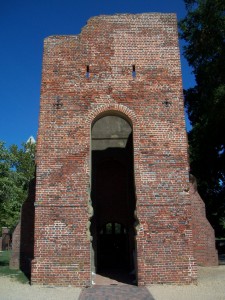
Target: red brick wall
{"type": "Point", "coordinates": [203, 234]}
{"type": "Point", "coordinates": [15, 256]}
{"type": "Point", "coordinates": [153, 103]}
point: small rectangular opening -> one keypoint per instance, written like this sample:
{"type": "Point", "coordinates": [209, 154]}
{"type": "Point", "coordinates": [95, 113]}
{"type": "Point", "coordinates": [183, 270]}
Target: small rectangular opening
{"type": "Point", "coordinates": [133, 71]}
{"type": "Point", "coordinates": [87, 71]}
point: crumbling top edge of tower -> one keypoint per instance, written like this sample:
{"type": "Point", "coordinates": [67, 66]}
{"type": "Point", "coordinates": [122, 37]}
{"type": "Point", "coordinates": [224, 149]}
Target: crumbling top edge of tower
{"type": "Point", "coordinates": [113, 17]}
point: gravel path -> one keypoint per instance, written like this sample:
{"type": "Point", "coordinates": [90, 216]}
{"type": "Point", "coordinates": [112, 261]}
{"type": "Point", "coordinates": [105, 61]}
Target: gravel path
{"type": "Point", "coordinates": [211, 285]}
{"type": "Point", "coordinates": [10, 289]}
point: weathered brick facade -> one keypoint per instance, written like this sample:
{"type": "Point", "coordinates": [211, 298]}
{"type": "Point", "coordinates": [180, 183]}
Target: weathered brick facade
{"type": "Point", "coordinates": [126, 66]}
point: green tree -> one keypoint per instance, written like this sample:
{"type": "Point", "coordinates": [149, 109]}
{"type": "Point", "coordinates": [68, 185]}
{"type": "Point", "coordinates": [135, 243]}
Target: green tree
{"type": "Point", "coordinates": [203, 30]}
{"type": "Point", "coordinates": [17, 168]}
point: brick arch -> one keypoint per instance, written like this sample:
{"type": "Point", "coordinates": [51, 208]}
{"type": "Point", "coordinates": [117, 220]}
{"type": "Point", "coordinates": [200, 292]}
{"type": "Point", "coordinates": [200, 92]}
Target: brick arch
{"type": "Point", "coordinates": [120, 111]}
{"type": "Point", "coordinates": [112, 112]}
{"type": "Point", "coordinates": [116, 109]}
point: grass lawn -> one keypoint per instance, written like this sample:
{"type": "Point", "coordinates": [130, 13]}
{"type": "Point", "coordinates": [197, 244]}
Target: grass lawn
{"type": "Point", "coordinates": [6, 271]}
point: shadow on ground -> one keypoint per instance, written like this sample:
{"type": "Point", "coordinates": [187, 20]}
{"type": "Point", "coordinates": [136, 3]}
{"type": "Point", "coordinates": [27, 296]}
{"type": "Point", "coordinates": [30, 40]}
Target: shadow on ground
{"type": "Point", "coordinates": [120, 275]}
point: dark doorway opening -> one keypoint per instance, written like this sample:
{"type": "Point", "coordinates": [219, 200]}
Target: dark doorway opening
{"type": "Point", "coordinates": [113, 246]}
{"type": "Point", "coordinates": [113, 199]}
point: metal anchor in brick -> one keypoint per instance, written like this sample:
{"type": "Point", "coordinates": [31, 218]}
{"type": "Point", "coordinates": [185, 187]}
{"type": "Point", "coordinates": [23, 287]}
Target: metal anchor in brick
{"type": "Point", "coordinates": [167, 103]}
{"type": "Point", "coordinates": [58, 103]}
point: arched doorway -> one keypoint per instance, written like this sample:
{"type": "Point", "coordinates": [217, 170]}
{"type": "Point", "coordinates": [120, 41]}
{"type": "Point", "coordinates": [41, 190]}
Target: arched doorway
{"type": "Point", "coordinates": [113, 196]}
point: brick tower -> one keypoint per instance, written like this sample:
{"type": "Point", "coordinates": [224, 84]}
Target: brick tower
{"type": "Point", "coordinates": [112, 168]}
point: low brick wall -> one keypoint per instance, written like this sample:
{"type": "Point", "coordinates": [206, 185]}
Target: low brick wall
{"type": "Point", "coordinates": [5, 239]}
{"type": "Point", "coordinates": [15, 256]}
{"type": "Point", "coordinates": [203, 234]}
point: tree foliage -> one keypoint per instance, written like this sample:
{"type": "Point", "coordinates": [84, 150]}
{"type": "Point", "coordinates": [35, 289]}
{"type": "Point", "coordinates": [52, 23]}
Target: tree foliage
{"type": "Point", "coordinates": [17, 168]}
{"type": "Point", "coordinates": [203, 29]}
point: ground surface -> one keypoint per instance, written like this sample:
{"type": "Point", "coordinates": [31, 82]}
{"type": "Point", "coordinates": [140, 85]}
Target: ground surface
{"type": "Point", "coordinates": [211, 285]}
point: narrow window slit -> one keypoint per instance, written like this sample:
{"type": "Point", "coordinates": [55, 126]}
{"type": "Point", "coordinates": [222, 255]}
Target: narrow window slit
{"type": "Point", "coordinates": [133, 71]}
{"type": "Point", "coordinates": [87, 71]}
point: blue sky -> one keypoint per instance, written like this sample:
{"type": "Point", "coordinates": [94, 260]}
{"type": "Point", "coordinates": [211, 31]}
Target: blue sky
{"type": "Point", "coordinates": [23, 26]}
